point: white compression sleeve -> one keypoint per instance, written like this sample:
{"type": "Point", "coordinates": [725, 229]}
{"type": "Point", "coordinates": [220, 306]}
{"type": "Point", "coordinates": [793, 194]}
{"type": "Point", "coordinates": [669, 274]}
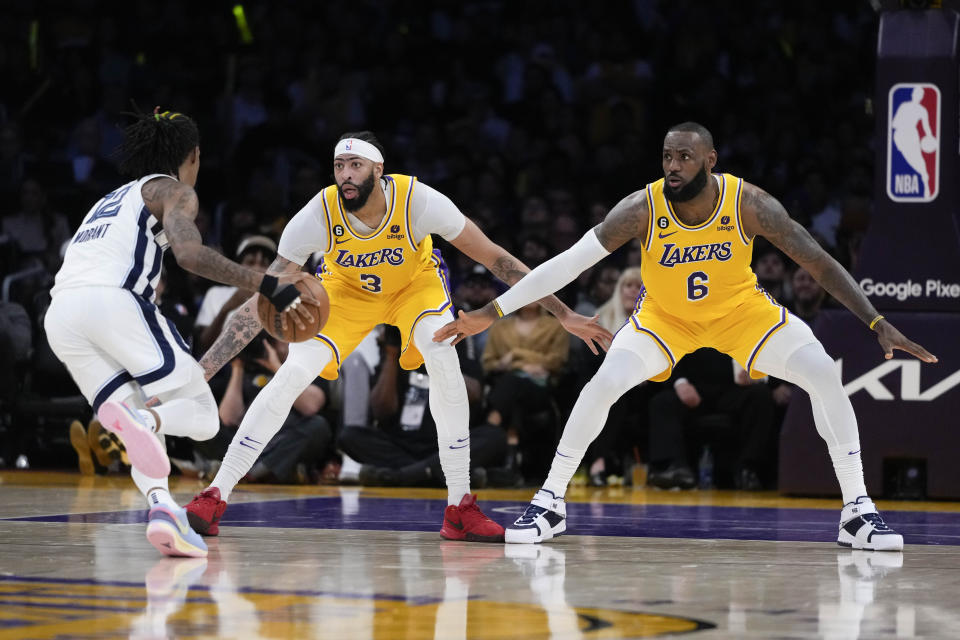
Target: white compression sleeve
{"type": "Point", "coordinates": [554, 274]}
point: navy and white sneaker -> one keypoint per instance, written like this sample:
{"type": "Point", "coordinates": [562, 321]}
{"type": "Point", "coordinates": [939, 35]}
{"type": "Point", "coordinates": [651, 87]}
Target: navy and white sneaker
{"type": "Point", "coordinates": [545, 518]}
{"type": "Point", "coordinates": [861, 527]}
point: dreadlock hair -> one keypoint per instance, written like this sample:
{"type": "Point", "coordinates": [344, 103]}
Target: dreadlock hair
{"type": "Point", "coordinates": [366, 136]}
{"type": "Point", "coordinates": [157, 143]}
{"type": "Point", "coordinates": [695, 127]}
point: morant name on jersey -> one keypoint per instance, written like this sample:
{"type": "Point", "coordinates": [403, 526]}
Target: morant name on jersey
{"type": "Point", "coordinates": [390, 255]}
{"type": "Point", "coordinates": [674, 255]}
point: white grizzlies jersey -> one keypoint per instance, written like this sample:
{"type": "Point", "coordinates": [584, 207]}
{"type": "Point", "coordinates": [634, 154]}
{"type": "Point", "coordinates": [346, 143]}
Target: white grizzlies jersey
{"type": "Point", "coordinates": [119, 244]}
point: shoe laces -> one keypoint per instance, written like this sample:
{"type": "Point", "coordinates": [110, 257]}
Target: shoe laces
{"type": "Point", "coordinates": [531, 514]}
{"type": "Point", "coordinates": [876, 521]}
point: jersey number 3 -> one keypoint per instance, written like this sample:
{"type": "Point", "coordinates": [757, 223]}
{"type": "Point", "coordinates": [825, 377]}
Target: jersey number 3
{"type": "Point", "coordinates": [371, 282]}
{"type": "Point", "coordinates": [696, 287]}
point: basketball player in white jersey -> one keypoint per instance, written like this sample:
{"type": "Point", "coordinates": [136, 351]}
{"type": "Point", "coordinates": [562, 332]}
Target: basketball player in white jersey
{"type": "Point", "coordinates": [103, 323]}
{"type": "Point", "coordinates": [698, 229]}
{"type": "Point", "coordinates": [379, 267]}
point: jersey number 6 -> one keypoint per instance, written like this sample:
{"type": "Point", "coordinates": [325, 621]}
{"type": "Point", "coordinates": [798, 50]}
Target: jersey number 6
{"type": "Point", "coordinates": [371, 282]}
{"type": "Point", "coordinates": [696, 289]}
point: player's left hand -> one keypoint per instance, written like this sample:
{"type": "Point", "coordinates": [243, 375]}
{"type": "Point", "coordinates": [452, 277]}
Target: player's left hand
{"type": "Point", "coordinates": [890, 338]}
{"type": "Point", "coordinates": [588, 330]}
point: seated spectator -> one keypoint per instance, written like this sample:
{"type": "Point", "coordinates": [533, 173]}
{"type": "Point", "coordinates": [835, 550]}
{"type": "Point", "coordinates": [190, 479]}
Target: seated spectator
{"type": "Point", "coordinates": [305, 440]}
{"type": "Point", "coordinates": [709, 382]}
{"type": "Point", "coordinates": [255, 252]}
{"type": "Point", "coordinates": [15, 347]}
{"type": "Point", "coordinates": [37, 230]}
{"type": "Point", "coordinates": [808, 295]}
{"type": "Point", "coordinates": [400, 448]}
{"type": "Point", "coordinates": [600, 288]}
{"type": "Point", "coordinates": [477, 289]}
{"type": "Point", "coordinates": [771, 269]}
{"type": "Point", "coordinates": [525, 353]}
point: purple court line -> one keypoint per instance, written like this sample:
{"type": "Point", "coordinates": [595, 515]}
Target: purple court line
{"type": "Point", "coordinates": [602, 519]}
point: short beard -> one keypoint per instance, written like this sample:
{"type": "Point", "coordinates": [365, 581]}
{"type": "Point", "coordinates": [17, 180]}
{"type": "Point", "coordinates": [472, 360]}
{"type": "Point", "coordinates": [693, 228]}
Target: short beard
{"type": "Point", "coordinates": [688, 191]}
{"type": "Point", "coordinates": [364, 189]}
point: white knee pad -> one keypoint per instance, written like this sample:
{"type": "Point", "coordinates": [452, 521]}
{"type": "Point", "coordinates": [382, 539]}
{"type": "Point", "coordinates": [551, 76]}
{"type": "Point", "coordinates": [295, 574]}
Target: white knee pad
{"type": "Point", "coordinates": [443, 364]}
{"type": "Point", "coordinates": [286, 386]}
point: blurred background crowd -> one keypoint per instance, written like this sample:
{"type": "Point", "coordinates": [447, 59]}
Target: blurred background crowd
{"type": "Point", "coordinates": [533, 117]}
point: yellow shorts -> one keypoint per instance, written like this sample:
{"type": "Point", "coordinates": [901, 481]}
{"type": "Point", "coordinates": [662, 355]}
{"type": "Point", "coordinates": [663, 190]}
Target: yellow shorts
{"type": "Point", "coordinates": [354, 313]}
{"type": "Point", "coordinates": [740, 334]}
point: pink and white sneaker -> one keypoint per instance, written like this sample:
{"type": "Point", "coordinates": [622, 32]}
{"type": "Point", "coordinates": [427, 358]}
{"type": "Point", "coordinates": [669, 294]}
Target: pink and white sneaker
{"type": "Point", "coordinates": [144, 448]}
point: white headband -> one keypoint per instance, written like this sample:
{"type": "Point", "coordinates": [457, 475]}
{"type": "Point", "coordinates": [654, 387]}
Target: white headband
{"type": "Point", "coordinates": [358, 148]}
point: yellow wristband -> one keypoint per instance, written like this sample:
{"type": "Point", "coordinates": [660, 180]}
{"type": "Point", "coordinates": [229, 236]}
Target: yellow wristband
{"type": "Point", "coordinates": [873, 323]}
{"type": "Point", "coordinates": [496, 307]}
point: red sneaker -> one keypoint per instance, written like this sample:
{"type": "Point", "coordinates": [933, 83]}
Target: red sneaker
{"type": "Point", "coordinates": [204, 511]}
{"type": "Point", "coordinates": [467, 522]}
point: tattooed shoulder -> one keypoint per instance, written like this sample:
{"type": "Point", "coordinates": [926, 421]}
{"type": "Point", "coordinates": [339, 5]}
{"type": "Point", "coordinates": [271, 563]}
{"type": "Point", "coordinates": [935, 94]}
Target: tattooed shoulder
{"type": "Point", "coordinates": [627, 220]}
{"type": "Point", "coordinates": [764, 215]}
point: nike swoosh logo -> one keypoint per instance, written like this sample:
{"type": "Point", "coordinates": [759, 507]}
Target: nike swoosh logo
{"type": "Point", "coordinates": [463, 439]}
{"type": "Point", "coordinates": [460, 447]}
{"type": "Point", "coordinates": [663, 235]}
{"type": "Point", "coordinates": [454, 524]}
{"type": "Point", "coordinates": [850, 453]}
{"type": "Point", "coordinates": [348, 239]}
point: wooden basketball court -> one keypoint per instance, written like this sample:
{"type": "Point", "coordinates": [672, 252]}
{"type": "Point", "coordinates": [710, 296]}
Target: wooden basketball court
{"type": "Point", "coordinates": [349, 562]}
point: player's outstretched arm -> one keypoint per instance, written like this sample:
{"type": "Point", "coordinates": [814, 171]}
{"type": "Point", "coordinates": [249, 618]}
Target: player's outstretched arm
{"type": "Point", "coordinates": [475, 244]}
{"type": "Point", "coordinates": [627, 220]}
{"type": "Point", "coordinates": [764, 215]}
{"type": "Point", "coordinates": [175, 204]}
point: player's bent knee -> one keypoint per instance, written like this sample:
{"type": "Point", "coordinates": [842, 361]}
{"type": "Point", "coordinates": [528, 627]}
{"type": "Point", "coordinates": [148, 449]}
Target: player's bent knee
{"type": "Point", "coordinates": [286, 386]}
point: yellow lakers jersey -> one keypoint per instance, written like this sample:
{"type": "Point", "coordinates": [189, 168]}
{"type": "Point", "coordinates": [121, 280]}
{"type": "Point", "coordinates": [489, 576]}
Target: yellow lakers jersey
{"type": "Point", "coordinates": [700, 272]}
{"type": "Point", "coordinates": [384, 261]}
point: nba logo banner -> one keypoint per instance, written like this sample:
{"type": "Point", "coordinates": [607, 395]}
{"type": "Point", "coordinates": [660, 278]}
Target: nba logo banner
{"type": "Point", "coordinates": [913, 142]}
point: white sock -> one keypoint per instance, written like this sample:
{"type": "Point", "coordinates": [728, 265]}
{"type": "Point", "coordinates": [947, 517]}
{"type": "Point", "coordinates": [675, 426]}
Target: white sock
{"type": "Point", "coordinates": [158, 496]}
{"type": "Point", "coordinates": [156, 490]}
{"type": "Point", "coordinates": [849, 469]}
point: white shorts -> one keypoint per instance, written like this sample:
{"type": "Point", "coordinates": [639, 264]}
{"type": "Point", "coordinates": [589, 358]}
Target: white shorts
{"type": "Point", "coordinates": [112, 341]}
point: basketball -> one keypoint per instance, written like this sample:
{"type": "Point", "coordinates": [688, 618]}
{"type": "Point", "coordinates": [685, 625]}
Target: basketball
{"type": "Point", "coordinates": [270, 317]}
{"type": "Point", "coordinates": [928, 144]}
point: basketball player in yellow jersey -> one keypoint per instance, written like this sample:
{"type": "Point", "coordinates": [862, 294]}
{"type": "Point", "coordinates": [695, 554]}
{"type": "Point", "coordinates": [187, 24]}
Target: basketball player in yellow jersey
{"type": "Point", "coordinates": [379, 266]}
{"type": "Point", "coordinates": [698, 230]}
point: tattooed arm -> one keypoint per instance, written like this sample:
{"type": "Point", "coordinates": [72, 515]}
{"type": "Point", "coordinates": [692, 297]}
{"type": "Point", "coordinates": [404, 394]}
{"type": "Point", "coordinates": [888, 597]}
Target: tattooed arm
{"type": "Point", "coordinates": [175, 204]}
{"type": "Point", "coordinates": [625, 221]}
{"type": "Point", "coordinates": [242, 327]}
{"type": "Point", "coordinates": [763, 215]}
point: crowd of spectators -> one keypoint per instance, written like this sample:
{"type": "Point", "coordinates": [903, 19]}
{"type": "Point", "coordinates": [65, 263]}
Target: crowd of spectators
{"type": "Point", "coordinates": [533, 117]}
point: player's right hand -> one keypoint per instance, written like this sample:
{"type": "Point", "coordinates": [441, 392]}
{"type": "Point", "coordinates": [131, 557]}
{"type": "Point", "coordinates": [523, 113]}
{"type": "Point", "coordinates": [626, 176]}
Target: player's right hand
{"type": "Point", "coordinates": [466, 324]}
